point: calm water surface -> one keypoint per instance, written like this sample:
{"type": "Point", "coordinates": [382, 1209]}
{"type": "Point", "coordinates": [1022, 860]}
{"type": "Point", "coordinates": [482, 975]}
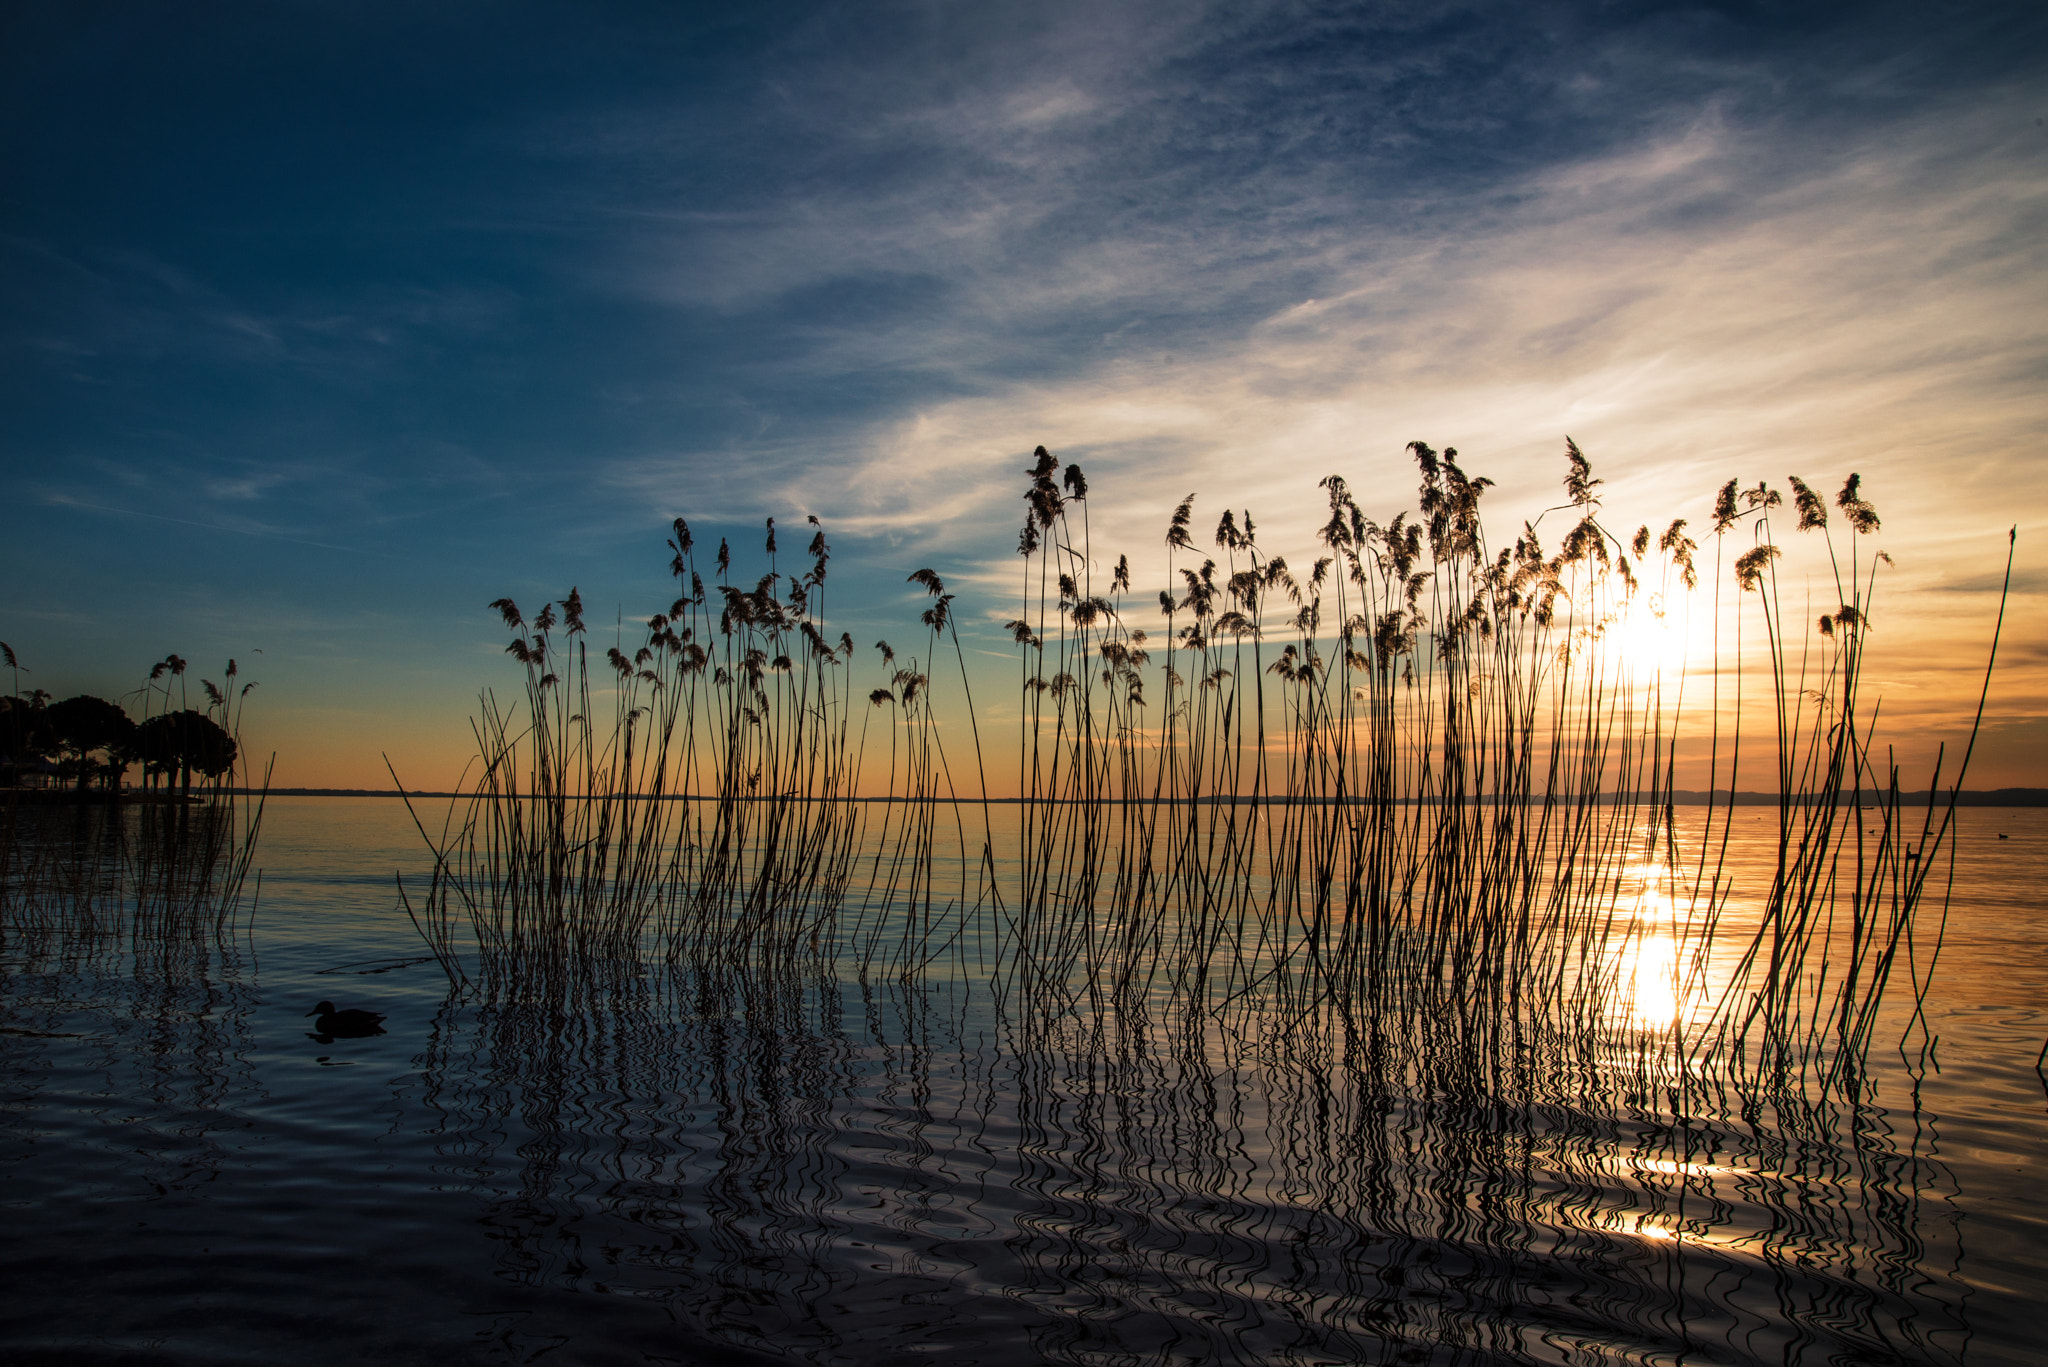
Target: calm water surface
{"type": "Point", "coordinates": [802, 1168]}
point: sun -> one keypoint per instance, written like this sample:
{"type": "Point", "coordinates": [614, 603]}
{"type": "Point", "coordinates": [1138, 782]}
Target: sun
{"type": "Point", "coordinates": [1647, 639]}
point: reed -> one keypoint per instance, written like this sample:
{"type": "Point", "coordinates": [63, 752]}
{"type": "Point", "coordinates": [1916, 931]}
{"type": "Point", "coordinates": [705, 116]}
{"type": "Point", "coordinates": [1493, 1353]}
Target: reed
{"type": "Point", "coordinates": [1415, 779]}
{"type": "Point", "coordinates": [712, 810]}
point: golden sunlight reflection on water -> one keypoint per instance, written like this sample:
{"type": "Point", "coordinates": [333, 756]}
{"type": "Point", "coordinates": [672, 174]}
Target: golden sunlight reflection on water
{"type": "Point", "coordinates": [1647, 969]}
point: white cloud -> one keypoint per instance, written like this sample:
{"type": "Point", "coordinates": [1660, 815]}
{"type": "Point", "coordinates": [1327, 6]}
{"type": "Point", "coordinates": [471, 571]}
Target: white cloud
{"type": "Point", "coordinates": [1887, 313]}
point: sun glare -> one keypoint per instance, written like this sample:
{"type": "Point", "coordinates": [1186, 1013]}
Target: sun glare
{"type": "Point", "coordinates": [1648, 639]}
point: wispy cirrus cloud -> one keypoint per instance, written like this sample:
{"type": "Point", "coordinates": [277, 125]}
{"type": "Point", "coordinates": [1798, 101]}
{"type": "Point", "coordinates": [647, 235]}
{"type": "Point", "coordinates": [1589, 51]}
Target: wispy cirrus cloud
{"type": "Point", "coordinates": [1703, 299]}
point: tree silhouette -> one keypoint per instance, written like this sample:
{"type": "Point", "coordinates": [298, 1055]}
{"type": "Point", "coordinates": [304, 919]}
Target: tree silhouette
{"type": "Point", "coordinates": [183, 743]}
{"type": "Point", "coordinates": [85, 725]}
{"type": "Point", "coordinates": [24, 732]}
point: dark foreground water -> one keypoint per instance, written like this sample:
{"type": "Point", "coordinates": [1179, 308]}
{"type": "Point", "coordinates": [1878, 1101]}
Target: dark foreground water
{"type": "Point", "coordinates": [668, 1168]}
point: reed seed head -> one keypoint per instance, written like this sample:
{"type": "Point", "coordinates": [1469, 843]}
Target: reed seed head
{"type": "Point", "coordinates": [1861, 515]}
{"type": "Point", "coordinates": [1579, 483]}
{"type": "Point", "coordinates": [1724, 508]}
{"type": "Point", "coordinates": [1751, 564]}
{"type": "Point", "coordinates": [1813, 513]}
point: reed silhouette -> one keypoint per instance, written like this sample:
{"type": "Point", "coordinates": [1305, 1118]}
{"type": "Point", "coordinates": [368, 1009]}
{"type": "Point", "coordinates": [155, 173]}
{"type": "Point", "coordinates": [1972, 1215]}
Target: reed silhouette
{"type": "Point", "coordinates": [1345, 980]}
{"type": "Point", "coordinates": [1415, 779]}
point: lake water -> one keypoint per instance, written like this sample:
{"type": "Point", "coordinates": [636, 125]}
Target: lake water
{"type": "Point", "coordinates": [788, 1164]}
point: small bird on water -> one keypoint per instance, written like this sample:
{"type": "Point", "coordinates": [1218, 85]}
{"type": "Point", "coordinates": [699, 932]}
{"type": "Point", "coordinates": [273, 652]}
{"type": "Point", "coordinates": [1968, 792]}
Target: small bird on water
{"type": "Point", "coordinates": [349, 1024]}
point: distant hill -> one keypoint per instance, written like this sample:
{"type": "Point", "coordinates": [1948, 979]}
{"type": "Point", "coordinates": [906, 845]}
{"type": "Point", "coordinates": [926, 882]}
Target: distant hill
{"type": "Point", "coordinates": [1987, 797]}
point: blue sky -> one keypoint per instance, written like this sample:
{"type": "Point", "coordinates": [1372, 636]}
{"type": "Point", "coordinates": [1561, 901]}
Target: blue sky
{"type": "Point", "coordinates": [326, 324]}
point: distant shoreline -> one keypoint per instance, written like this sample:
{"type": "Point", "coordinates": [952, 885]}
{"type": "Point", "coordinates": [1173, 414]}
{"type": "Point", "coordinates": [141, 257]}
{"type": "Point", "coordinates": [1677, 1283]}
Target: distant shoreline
{"type": "Point", "coordinates": [1698, 797]}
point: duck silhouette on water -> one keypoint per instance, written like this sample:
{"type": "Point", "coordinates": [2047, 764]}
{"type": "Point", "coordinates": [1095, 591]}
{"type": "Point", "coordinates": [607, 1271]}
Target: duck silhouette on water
{"type": "Point", "coordinates": [350, 1024]}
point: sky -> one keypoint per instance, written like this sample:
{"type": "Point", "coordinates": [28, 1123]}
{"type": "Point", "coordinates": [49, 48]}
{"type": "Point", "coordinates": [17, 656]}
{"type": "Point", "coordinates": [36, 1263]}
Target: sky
{"type": "Point", "coordinates": [326, 324]}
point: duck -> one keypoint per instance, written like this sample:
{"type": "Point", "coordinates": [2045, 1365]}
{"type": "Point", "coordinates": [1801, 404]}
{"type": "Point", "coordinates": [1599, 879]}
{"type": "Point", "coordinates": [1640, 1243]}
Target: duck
{"type": "Point", "coordinates": [346, 1024]}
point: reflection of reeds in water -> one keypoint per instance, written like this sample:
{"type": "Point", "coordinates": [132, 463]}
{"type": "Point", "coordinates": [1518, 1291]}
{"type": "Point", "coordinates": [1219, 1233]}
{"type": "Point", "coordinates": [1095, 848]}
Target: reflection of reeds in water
{"type": "Point", "coordinates": [840, 1175]}
{"type": "Point", "coordinates": [123, 952]}
{"type": "Point", "coordinates": [127, 875]}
